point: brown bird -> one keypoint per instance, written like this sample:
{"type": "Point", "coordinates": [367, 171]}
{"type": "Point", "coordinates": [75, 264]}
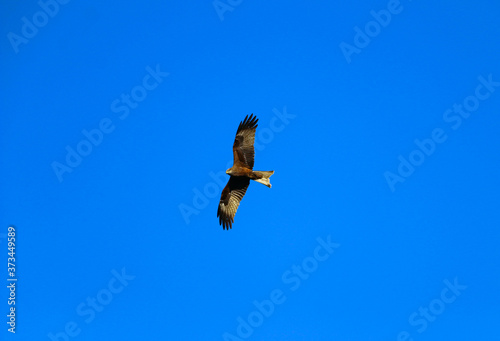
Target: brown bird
{"type": "Point", "coordinates": [241, 173]}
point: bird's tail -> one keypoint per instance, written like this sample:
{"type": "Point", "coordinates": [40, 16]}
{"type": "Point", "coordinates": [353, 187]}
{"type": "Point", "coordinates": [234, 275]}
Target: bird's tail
{"type": "Point", "coordinates": [263, 177]}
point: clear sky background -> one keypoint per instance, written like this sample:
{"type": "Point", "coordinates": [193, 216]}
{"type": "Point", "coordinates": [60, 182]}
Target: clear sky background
{"type": "Point", "coordinates": [381, 121]}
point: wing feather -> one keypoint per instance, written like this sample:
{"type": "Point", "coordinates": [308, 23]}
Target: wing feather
{"type": "Point", "coordinates": [243, 149]}
{"type": "Point", "coordinates": [230, 200]}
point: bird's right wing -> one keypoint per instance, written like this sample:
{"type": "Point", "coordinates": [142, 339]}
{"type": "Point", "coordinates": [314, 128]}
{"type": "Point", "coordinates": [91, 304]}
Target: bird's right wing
{"type": "Point", "coordinates": [230, 200]}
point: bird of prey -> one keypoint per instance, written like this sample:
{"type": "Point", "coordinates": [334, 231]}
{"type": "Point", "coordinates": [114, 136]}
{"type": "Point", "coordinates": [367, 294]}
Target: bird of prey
{"type": "Point", "coordinates": [241, 173]}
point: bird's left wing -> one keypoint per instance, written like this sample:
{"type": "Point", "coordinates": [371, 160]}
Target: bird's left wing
{"type": "Point", "coordinates": [243, 150]}
{"type": "Point", "coordinates": [230, 200]}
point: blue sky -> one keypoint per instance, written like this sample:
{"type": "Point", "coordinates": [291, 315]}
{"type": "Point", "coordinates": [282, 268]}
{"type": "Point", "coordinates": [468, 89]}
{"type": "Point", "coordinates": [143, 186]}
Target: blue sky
{"type": "Point", "coordinates": [380, 119]}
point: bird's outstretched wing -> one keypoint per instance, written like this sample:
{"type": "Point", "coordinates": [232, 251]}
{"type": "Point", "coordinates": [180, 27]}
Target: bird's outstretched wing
{"type": "Point", "coordinates": [243, 150]}
{"type": "Point", "coordinates": [230, 200]}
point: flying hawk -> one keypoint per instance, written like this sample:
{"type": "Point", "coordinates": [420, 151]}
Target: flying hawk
{"type": "Point", "coordinates": [241, 173]}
